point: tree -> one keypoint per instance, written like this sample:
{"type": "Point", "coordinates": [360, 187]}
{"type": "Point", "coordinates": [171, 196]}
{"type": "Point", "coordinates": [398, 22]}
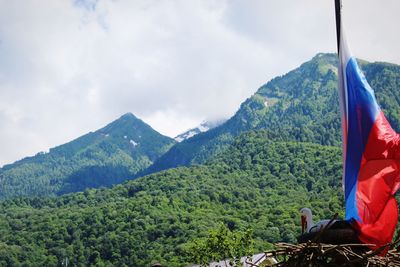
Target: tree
{"type": "Point", "coordinates": [221, 244]}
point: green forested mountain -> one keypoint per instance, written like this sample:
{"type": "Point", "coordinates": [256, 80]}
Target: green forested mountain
{"type": "Point", "coordinates": [101, 158]}
{"type": "Point", "coordinates": [278, 153]}
{"type": "Point", "coordinates": [301, 105]}
{"type": "Point", "coordinates": [256, 183]}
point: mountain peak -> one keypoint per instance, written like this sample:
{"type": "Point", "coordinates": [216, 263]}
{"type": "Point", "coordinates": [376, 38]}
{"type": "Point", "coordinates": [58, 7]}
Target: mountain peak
{"type": "Point", "coordinates": [323, 62]}
{"type": "Point", "coordinates": [332, 57]}
{"type": "Point", "coordinates": [128, 115]}
{"type": "Point", "coordinates": [105, 157]}
{"type": "Point", "coordinates": [321, 68]}
{"type": "Point", "coordinates": [127, 124]}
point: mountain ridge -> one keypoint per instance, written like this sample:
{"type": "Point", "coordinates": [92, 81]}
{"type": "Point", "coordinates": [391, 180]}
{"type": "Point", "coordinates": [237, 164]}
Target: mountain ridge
{"type": "Point", "coordinates": [301, 105]}
{"type": "Point", "coordinates": [280, 152]}
{"type": "Point", "coordinates": [109, 155]}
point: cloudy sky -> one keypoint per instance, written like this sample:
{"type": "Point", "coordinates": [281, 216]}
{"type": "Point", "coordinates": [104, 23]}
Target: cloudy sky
{"type": "Point", "coordinates": [68, 67]}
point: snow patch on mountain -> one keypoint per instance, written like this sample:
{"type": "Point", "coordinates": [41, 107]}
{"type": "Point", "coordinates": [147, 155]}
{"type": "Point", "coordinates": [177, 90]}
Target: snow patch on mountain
{"type": "Point", "coordinates": [133, 143]}
{"type": "Point", "coordinates": [203, 127]}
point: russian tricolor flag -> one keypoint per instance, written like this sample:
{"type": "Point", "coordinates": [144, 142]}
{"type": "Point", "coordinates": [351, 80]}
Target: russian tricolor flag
{"type": "Point", "coordinates": [371, 156]}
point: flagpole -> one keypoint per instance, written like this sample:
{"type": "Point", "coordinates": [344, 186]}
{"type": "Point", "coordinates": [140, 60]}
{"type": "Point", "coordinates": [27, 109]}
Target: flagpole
{"type": "Point", "coordinates": [338, 7]}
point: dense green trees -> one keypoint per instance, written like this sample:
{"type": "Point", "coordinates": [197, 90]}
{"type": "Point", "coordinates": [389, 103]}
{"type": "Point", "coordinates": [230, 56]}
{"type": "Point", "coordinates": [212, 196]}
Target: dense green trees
{"type": "Point", "coordinates": [301, 105]}
{"type": "Point", "coordinates": [258, 180]}
{"type": "Point", "coordinates": [256, 183]}
{"type": "Point", "coordinates": [221, 244]}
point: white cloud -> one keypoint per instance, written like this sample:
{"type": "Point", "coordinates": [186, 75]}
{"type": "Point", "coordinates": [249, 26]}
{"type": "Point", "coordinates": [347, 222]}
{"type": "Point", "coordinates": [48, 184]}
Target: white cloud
{"type": "Point", "coordinates": [69, 67]}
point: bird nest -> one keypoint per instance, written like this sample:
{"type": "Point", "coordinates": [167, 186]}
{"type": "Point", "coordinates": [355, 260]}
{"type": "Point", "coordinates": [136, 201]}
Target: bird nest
{"type": "Point", "coordinates": [336, 244]}
{"type": "Point", "coordinates": [320, 254]}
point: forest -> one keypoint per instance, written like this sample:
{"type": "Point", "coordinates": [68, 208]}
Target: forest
{"type": "Point", "coordinates": [280, 152]}
{"type": "Point", "coordinates": [256, 184]}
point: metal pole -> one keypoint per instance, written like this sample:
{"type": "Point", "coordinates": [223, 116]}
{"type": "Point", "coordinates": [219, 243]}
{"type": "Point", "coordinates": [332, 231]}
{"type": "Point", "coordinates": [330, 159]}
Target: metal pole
{"type": "Point", "coordinates": [338, 7]}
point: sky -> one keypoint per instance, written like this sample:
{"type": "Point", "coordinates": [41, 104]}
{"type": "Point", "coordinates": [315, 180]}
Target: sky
{"type": "Point", "coordinates": [68, 67]}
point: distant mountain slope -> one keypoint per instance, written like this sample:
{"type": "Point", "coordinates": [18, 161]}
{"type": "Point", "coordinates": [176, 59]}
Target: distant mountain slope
{"type": "Point", "coordinates": [306, 102]}
{"type": "Point", "coordinates": [203, 127]}
{"type": "Point", "coordinates": [256, 183]}
{"type": "Point", "coordinates": [102, 158]}
{"type": "Point", "coordinates": [301, 105]}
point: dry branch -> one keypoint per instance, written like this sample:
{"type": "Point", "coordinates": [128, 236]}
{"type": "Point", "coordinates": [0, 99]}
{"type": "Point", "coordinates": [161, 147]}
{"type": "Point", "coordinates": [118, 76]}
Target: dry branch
{"type": "Point", "coordinates": [319, 254]}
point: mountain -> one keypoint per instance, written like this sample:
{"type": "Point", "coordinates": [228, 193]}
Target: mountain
{"type": "Point", "coordinates": [102, 158]}
{"type": "Point", "coordinates": [301, 105]}
{"type": "Point", "coordinates": [203, 127]}
{"type": "Point", "coordinates": [258, 172]}
{"type": "Point", "coordinates": [255, 183]}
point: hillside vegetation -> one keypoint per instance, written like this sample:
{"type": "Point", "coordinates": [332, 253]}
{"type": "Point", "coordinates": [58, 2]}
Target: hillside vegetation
{"type": "Point", "coordinates": [301, 105]}
{"type": "Point", "coordinates": [280, 152]}
{"type": "Point", "coordinates": [257, 183]}
{"type": "Point", "coordinates": [108, 156]}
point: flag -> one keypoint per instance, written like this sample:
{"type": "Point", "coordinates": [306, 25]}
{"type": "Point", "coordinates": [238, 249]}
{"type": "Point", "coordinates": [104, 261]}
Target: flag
{"type": "Point", "coordinates": [371, 155]}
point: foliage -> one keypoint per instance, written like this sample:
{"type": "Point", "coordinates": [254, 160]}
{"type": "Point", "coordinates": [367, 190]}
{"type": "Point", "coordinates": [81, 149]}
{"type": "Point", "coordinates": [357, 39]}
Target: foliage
{"type": "Point", "coordinates": [221, 244]}
{"type": "Point", "coordinates": [108, 156]}
{"type": "Point", "coordinates": [256, 184]}
{"type": "Point", "coordinates": [251, 179]}
{"type": "Point", "coordinates": [301, 105]}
